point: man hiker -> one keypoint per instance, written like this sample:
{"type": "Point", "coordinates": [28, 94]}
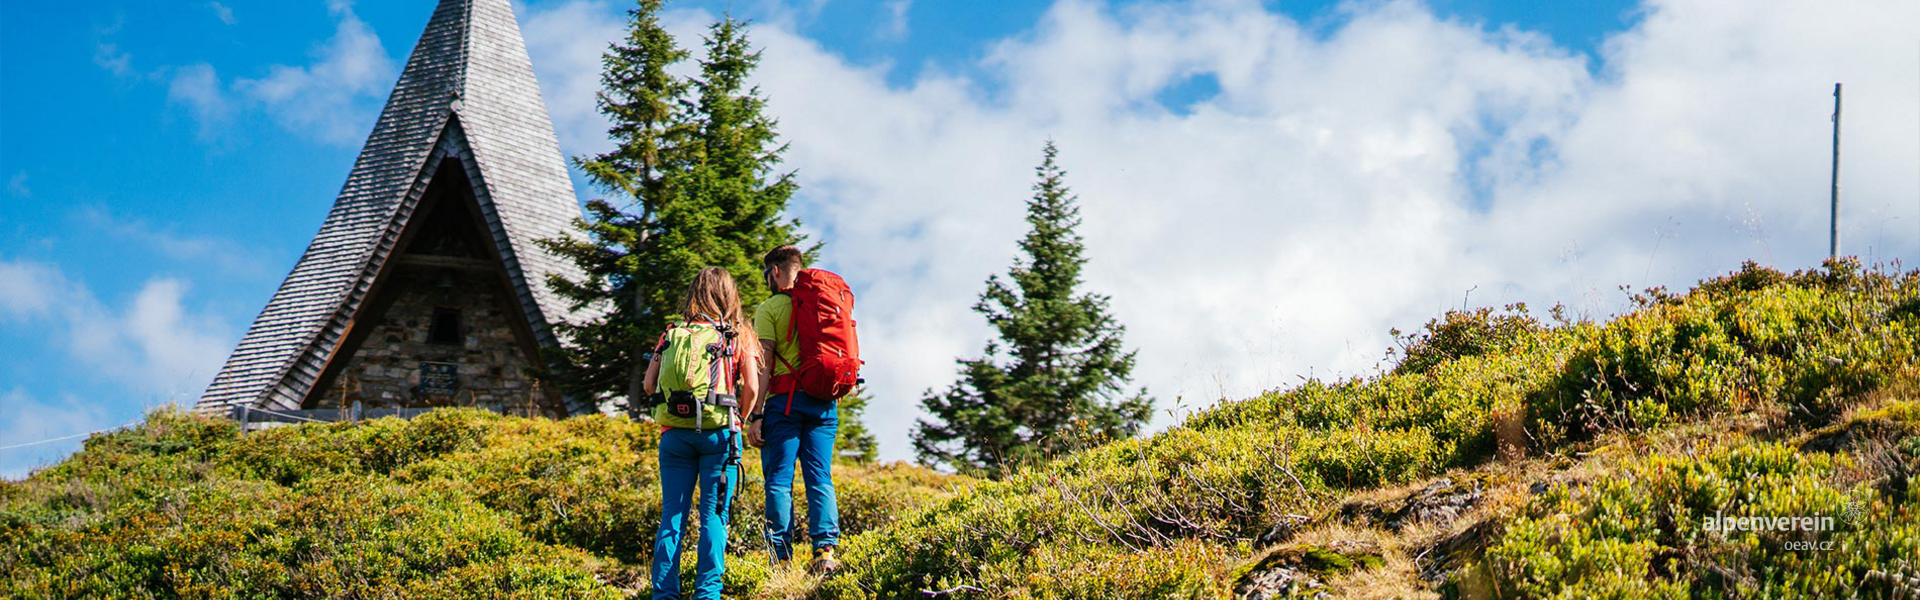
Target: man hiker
{"type": "Point", "coordinates": [813, 353]}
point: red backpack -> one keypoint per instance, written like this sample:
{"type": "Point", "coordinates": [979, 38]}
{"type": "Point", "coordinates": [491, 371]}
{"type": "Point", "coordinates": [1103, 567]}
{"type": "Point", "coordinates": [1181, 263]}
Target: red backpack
{"type": "Point", "coordinates": [829, 352]}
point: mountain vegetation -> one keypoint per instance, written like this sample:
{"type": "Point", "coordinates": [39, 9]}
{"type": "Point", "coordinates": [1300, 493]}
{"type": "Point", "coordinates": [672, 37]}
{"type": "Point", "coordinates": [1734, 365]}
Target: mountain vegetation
{"type": "Point", "coordinates": [1752, 437]}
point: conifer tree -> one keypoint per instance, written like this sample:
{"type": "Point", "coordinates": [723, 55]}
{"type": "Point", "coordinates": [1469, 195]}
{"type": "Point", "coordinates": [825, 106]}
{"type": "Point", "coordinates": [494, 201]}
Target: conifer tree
{"type": "Point", "coordinates": [694, 167]}
{"type": "Point", "coordinates": [1057, 371]}
{"type": "Point", "coordinates": [856, 443]}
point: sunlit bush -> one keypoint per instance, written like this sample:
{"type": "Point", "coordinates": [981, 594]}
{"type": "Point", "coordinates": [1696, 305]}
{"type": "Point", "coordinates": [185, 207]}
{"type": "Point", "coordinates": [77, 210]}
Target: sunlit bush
{"type": "Point", "coordinates": [451, 504]}
{"type": "Point", "coordinates": [1655, 529]}
{"type": "Point", "coordinates": [464, 503]}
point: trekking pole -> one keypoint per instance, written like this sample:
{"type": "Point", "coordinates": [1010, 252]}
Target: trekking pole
{"type": "Point", "coordinates": [737, 455]}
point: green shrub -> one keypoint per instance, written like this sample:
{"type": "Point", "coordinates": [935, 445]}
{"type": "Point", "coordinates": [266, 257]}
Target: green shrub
{"type": "Point", "coordinates": [463, 503]}
{"type": "Point", "coordinates": [870, 497]}
{"type": "Point", "coordinates": [452, 504]}
{"type": "Point", "coordinates": [1138, 508]}
{"type": "Point", "coordinates": [1464, 333]}
{"type": "Point", "coordinates": [1654, 529]}
{"type": "Point", "coordinates": [1730, 345]}
{"type": "Point", "coordinates": [1364, 458]}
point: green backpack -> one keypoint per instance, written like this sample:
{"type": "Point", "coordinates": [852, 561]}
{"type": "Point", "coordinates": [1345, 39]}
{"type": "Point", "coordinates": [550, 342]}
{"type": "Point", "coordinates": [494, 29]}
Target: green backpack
{"type": "Point", "coordinates": [693, 357]}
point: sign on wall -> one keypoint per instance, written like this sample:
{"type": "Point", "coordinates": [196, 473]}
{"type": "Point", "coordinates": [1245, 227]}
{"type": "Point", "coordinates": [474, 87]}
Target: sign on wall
{"type": "Point", "coordinates": [439, 378]}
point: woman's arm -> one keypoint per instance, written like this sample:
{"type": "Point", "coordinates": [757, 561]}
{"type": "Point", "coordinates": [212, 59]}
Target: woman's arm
{"type": "Point", "coordinates": [651, 383]}
{"type": "Point", "coordinates": [749, 382]}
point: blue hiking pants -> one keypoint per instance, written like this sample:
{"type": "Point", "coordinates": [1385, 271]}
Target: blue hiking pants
{"type": "Point", "coordinates": [708, 460]}
{"type": "Point", "coordinates": [806, 433]}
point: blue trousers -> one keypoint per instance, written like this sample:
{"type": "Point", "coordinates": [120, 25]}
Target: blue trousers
{"type": "Point", "coordinates": [710, 461]}
{"type": "Point", "coordinates": [805, 433]}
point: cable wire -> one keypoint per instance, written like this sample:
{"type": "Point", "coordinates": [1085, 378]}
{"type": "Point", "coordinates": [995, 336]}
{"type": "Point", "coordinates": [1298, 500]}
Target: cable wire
{"type": "Point", "coordinates": [284, 415]}
{"type": "Point", "coordinates": [68, 437]}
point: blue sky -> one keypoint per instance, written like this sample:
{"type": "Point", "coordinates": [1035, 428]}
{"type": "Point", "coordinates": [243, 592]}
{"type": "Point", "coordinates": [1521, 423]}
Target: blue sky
{"type": "Point", "coordinates": [111, 146]}
{"type": "Point", "coordinates": [166, 163]}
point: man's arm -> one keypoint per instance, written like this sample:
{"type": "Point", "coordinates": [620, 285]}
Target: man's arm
{"type": "Point", "coordinates": [750, 386]}
{"type": "Point", "coordinates": [766, 327]}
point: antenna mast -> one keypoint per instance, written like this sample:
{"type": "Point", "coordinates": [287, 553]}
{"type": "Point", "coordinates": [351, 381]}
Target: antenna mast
{"type": "Point", "coordinates": [1833, 218]}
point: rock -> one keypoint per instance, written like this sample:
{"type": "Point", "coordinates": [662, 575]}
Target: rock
{"type": "Point", "coordinates": [1280, 582]}
{"type": "Point", "coordinates": [1439, 503]}
{"type": "Point", "coordinates": [1447, 554]}
{"type": "Point", "coordinates": [1283, 530]}
{"type": "Point", "coordinates": [1290, 571]}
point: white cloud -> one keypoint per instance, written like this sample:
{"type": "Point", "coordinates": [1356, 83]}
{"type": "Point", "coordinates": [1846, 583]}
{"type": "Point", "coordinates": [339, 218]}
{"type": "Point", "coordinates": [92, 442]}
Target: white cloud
{"type": "Point", "coordinates": [177, 347]}
{"type": "Point", "coordinates": [336, 97]}
{"type": "Point", "coordinates": [110, 57]}
{"type": "Point", "coordinates": [222, 12]}
{"type": "Point", "coordinates": [153, 345]}
{"type": "Point", "coordinates": [1717, 120]}
{"type": "Point", "coordinates": [566, 41]}
{"type": "Point", "coordinates": [894, 28]}
{"type": "Point", "coordinates": [17, 186]}
{"type": "Point", "coordinates": [225, 255]}
{"type": "Point", "coordinates": [1342, 182]}
{"type": "Point", "coordinates": [786, 14]}
{"type": "Point", "coordinates": [197, 87]}
{"type": "Point", "coordinates": [30, 289]}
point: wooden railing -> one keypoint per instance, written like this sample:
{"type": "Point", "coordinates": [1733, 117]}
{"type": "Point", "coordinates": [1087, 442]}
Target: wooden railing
{"type": "Point", "coordinates": [257, 418]}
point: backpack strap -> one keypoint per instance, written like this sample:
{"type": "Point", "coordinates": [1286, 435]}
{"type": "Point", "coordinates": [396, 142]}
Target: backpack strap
{"type": "Point", "coordinates": [720, 370]}
{"type": "Point", "coordinates": [793, 381]}
{"type": "Point", "coordinates": [793, 334]}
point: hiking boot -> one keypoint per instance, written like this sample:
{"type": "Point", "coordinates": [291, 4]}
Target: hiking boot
{"type": "Point", "coordinates": [823, 561]}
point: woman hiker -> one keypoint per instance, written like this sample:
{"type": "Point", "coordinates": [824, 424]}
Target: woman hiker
{"type": "Point", "coordinates": [702, 370]}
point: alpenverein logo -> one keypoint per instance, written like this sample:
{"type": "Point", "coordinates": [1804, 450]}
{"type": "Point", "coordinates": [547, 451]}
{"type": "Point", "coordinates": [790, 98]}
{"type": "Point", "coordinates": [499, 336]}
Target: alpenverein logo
{"type": "Point", "coordinates": [1855, 512]}
{"type": "Point", "coordinates": [1812, 527]}
{"type": "Point", "coordinates": [1722, 523]}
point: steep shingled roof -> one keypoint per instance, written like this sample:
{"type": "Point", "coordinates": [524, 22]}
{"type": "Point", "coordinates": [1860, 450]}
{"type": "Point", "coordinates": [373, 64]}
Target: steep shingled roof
{"type": "Point", "coordinates": [468, 91]}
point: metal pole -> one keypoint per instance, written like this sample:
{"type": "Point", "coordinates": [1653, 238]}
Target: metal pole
{"type": "Point", "coordinates": [1833, 222]}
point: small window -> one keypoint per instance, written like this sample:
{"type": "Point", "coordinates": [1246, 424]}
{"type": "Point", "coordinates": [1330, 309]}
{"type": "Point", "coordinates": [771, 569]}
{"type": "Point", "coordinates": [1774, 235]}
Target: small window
{"type": "Point", "coordinates": [445, 328]}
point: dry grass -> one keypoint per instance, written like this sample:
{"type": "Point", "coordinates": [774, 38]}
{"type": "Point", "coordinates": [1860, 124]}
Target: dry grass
{"type": "Point", "coordinates": [1414, 560]}
{"type": "Point", "coordinates": [1396, 577]}
{"type": "Point", "coordinates": [790, 582]}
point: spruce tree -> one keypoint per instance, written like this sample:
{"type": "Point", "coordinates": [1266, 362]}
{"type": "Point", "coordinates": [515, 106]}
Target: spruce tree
{"type": "Point", "coordinates": [734, 199]}
{"type": "Point", "coordinates": [856, 443]}
{"type": "Point", "coordinates": [694, 168]}
{"type": "Point", "coordinates": [1057, 371]}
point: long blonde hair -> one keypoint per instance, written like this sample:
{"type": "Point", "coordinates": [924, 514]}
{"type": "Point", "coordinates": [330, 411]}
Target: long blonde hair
{"type": "Point", "coordinates": [714, 297]}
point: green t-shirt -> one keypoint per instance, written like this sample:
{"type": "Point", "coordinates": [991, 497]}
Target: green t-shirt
{"type": "Point", "coordinates": [771, 321]}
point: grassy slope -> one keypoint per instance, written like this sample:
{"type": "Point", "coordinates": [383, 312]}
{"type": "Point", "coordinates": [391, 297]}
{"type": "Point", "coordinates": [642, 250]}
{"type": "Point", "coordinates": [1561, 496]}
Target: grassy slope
{"type": "Point", "coordinates": [1590, 415]}
{"type": "Point", "coordinates": [452, 504]}
{"type": "Point", "coordinates": [1502, 458]}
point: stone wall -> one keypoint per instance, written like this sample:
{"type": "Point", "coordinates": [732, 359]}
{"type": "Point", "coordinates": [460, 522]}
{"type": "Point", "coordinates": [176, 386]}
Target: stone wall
{"type": "Point", "coordinates": [491, 365]}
